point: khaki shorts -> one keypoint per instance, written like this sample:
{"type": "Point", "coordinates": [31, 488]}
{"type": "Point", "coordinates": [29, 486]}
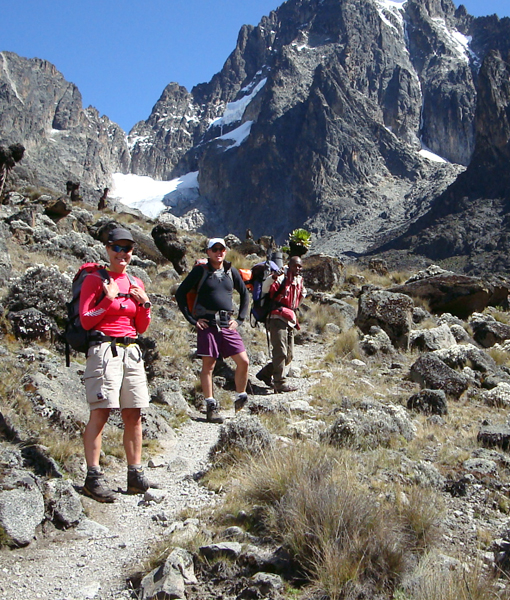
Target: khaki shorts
{"type": "Point", "coordinates": [115, 382]}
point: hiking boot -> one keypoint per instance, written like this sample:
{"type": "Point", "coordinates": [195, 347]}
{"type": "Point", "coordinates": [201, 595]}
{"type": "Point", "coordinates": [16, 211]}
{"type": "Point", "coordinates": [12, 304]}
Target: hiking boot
{"type": "Point", "coordinates": [286, 387]}
{"type": "Point", "coordinates": [137, 483]}
{"type": "Point", "coordinates": [266, 374]}
{"type": "Point", "coordinates": [95, 487]}
{"type": "Point", "coordinates": [240, 402]}
{"type": "Point", "coordinates": [213, 414]}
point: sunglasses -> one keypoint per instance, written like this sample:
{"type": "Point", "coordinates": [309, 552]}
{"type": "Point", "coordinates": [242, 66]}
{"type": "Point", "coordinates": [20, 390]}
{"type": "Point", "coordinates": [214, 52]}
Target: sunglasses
{"type": "Point", "coordinates": [217, 248]}
{"type": "Point", "coordinates": [119, 248]}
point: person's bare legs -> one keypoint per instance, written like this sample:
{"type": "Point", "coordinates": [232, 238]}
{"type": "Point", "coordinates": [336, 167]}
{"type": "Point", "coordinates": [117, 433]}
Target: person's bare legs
{"type": "Point", "coordinates": [208, 364]}
{"type": "Point", "coordinates": [132, 438]}
{"type": "Point", "coordinates": [241, 374]}
{"type": "Point", "coordinates": [93, 435]}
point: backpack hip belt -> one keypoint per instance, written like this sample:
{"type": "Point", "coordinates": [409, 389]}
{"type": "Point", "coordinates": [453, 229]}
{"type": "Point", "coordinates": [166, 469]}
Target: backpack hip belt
{"type": "Point", "coordinates": [97, 338]}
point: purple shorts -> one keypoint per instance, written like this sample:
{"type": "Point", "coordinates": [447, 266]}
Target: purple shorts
{"type": "Point", "coordinates": [215, 343]}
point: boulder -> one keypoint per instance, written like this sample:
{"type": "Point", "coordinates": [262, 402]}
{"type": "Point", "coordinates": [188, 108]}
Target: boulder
{"type": "Point", "coordinates": [245, 434]}
{"type": "Point", "coordinates": [432, 339]}
{"type": "Point", "coordinates": [494, 436]}
{"type": "Point", "coordinates": [429, 402]}
{"type": "Point", "coordinates": [32, 324]}
{"type": "Point", "coordinates": [487, 331]}
{"type": "Point", "coordinates": [369, 426]}
{"type": "Point", "coordinates": [322, 272]}
{"type": "Point", "coordinates": [376, 341]}
{"type": "Point", "coordinates": [392, 312]}
{"type": "Point", "coordinates": [21, 508]}
{"type": "Point", "coordinates": [165, 238]}
{"type": "Point", "coordinates": [63, 502]}
{"type": "Point", "coordinates": [44, 288]}
{"type": "Point", "coordinates": [445, 291]}
{"type": "Point", "coordinates": [432, 373]}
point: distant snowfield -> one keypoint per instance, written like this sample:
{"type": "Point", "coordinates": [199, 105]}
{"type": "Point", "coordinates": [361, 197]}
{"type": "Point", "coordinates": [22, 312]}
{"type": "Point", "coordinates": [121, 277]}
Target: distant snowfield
{"type": "Point", "coordinates": [147, 194]}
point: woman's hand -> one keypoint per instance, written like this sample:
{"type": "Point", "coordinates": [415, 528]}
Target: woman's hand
{"type": "Point", "coordinates": [233, 324]}
{"type": "Point", "coordinates": [111, 289]}
{"type": "Point", "coordinates": [138, 294]}
{"type": "Point", "coordinates": [202, 324]}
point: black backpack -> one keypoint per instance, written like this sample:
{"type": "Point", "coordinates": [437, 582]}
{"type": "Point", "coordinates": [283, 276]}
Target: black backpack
{"type": "Point", "coordinates": [262, 304]}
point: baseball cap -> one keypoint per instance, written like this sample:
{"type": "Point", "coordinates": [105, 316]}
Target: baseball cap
{"type": "Point", "coordinates": [119, 234]}
{"type": "Point", "coordinates": [213, 241]}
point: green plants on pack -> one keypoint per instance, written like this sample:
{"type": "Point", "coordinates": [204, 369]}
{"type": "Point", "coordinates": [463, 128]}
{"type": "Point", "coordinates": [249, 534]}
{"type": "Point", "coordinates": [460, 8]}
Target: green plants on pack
{"type": "Point", "coordinates": [299, 242]}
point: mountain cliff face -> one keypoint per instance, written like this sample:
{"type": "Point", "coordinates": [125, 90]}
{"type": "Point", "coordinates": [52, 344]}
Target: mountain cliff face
{"type": "Point", "coordinates": [470, 222]}
{"type": "Point", "coordinates": [353, 118]}
{"type": "Point", "coordinates": [63, 141]}
{"type": "Point", "coordinates": [318, 117]}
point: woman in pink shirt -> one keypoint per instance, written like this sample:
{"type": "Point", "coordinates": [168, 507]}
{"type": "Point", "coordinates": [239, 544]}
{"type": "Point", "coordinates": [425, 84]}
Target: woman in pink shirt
{"type": "Point", "coordinates": [115, 312]}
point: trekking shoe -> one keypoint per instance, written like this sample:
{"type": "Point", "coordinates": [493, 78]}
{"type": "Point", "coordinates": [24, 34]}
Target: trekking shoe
{"type": "Point", "coordinates": [213, 414]}
{"type": "Point", "coordinates": [266, 375]}
{"type": "Point", "coordinates": [137, 483]}
{"type": "Point", "coordinates": [95, 487]}
{"type": "Point", "coordinates": [240, 402]}
{"type": "Point", "coordinates": [286, 387]}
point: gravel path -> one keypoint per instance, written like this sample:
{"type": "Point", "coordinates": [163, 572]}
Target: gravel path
{"type": "Point", "coordinates": [95, 559]}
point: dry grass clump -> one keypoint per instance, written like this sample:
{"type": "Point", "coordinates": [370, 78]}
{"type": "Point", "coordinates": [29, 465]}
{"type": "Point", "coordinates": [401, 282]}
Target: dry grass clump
{"type": "Point", "coordinates": [343, 537]}
{"type": "Point", "coordinates": [455, 581]}
{"type": "Point", "coordinates": [319, 315]}
{"type": "Point", "coordinates": [345, 346]}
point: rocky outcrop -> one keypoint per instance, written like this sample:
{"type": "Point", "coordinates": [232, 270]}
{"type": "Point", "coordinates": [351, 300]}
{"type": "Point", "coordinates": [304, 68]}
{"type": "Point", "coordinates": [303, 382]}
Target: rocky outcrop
{"type": "Point", "coordinates": [459, 295]}
{"type": "Point", "coordinates": [63, 141]}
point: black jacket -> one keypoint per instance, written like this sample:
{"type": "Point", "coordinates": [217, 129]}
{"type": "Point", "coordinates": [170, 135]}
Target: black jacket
{"type": "Point", "coordinates": [216, 291]}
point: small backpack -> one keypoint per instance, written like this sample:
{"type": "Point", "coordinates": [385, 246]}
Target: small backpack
{"type": "Point", "coordinates": [76, 337]}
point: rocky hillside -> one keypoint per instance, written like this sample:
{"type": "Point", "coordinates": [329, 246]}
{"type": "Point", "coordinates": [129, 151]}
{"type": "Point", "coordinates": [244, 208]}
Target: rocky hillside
{"type": "Point", "coordinates": [384, 475]}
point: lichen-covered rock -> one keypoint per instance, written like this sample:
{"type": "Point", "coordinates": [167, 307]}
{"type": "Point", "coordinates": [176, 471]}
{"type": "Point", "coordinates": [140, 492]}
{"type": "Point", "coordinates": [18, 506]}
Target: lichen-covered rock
{"type": "Point", "coordinates": [245, 435]}
{"type": "Point", "coordinates": [487, 331]}
{"type": "Point", "coordinates": [429, 402]}
{"type": "Point", "coordinates": [431, 372]}
{"type": "Point", "coordinates": [369, 426]}
{"type": "Point", "coordinates": [432, 339]}
{"type": "Point", "coordinates": [393, 313]}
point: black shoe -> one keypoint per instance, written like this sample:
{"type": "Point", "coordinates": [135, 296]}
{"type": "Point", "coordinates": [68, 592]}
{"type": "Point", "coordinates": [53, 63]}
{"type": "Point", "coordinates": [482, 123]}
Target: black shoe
{"type": "Point", "coordinates": [95, 487]}
{"type": "Point", "coordinates": [240, 402]}
{"type": "Point", "coordinates": [266, 374]}
{"type": "Point", "coordinates": [137, 483]}
{"type": "Point", "coordinates": [213, 414]}
{"type": "Point", "coordinates": [286, 387]}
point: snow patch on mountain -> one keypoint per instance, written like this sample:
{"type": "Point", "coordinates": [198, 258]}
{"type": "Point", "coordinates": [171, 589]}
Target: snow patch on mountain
{"type": "Point", "coordinates": [234, 110]}
{"type": "Point", "coordinates": [150, 196]}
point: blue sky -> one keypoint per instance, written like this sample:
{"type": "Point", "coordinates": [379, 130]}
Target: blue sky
{"type": "Point", "coordinates": [122, 53]}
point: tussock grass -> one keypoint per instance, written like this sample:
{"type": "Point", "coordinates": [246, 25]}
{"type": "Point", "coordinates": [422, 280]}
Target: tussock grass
{"type": "Point", "coordinates": [320, 315]}
{"type": "Point", "coordinates": [345, 346]}
{"type": "Point", "coordinates": [436, 581]}
{"type": "Point", "coordinates": [341, 535]}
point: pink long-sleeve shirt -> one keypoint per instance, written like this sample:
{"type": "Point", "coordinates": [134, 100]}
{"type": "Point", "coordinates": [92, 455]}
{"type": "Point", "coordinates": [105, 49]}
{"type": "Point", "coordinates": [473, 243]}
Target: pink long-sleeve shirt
{"type": "Point", "coordinates": [121, 317]}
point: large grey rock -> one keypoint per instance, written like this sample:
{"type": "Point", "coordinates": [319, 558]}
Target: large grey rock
{"type": "Point", "coordinates": [487, 331]}
{"type": "Point", "coordinates": [21, 509]}
{"type": "Point", "coordinates": [391, 312]}
{"type": "Point", "coordinates": [63, 503]}
{"type": "Point", "coordinates": [371, 425]}
{"type": "Point", "coordinates": [431, 372]}
{"type": "Point", "coordinates": [432, 339]}
{"type": "Point", "coordinates": [321, 272]}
